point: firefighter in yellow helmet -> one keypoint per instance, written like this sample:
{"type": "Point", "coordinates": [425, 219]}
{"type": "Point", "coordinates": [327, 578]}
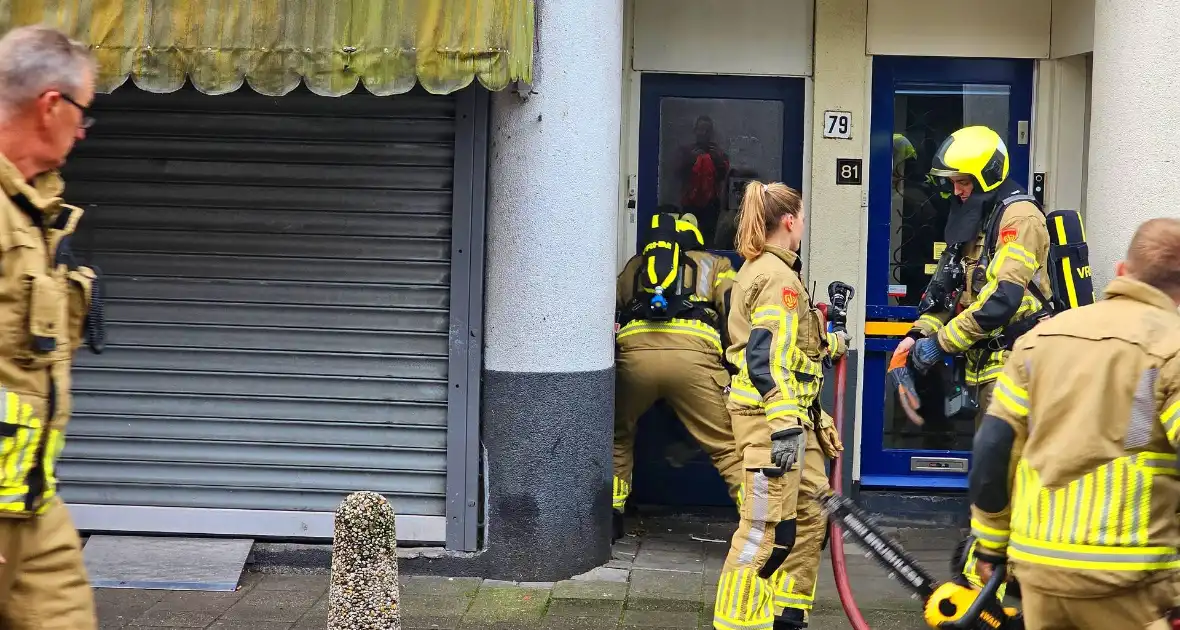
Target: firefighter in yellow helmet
{"type": "Point", "coordinates": [992, 286]}
{"type": "Point", "coordinates": [671, 301]}
{"type": "Point", "coordinates": [1075, 482]}
{"type": "Point", "coordinates": [46, 83]}
{"type": "Point", "coordinates": [778, 343]}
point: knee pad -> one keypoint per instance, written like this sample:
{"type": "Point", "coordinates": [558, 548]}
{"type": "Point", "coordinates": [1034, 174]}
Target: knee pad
{"type": "Point", "coordinates": [784, 540]}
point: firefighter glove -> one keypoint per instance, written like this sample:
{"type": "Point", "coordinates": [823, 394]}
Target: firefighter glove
{"type": "Point", "coordinates": [786, 447]}
{"type": "Point", "coordinates": [926, 354]}
{"type": "Point", "coordinates": [829, 438]}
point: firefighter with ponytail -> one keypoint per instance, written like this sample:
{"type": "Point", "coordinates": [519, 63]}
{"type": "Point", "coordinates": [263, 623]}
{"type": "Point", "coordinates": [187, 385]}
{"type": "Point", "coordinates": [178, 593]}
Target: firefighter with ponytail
{"type": "Point", "coordinates": [778, 343]}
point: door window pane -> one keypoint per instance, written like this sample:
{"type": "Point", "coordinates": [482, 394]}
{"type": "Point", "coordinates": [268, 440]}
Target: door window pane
{"type": "Point", "coordinates": [710, 148]}
{"type": "Point", "coordinates": [924, 116]}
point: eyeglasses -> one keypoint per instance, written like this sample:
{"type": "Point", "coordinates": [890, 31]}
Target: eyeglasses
{"type": "Point", "coordinates": [87, 121]}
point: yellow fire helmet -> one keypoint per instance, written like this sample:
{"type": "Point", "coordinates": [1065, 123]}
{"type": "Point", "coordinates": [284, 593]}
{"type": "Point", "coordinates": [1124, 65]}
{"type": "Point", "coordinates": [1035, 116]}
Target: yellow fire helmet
{"type": "Point", "coordinates": [975, 151]}
{"type": "Point", "coordinates": [687, 223]}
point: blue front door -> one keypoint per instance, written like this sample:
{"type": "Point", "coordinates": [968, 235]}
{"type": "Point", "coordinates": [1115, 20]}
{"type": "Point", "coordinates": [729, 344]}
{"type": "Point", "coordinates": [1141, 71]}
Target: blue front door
{"type": "Point", "coordinates": [701, 139]}
{"type": "Point", "coordinates": [916, 104]}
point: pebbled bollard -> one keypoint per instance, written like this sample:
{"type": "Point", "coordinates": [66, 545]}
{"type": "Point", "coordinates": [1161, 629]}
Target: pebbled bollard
{"type": "Point", "coordinates": [364, 589]}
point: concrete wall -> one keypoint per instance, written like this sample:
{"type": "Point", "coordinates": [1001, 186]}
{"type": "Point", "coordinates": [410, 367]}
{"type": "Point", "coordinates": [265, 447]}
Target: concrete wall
{"type": "Point", "coordinates": [549, 300]}
{"type": "Point", "coordinates": [839, 214]}
{"type": "Point", "coordinates": [750, 37]}
{"type": "Point", "coordinates": [1072, 28]}
{"type": "Point", "coordinates": [962, 28]}
{"type": "Point", "coordinates": [1132, 137]}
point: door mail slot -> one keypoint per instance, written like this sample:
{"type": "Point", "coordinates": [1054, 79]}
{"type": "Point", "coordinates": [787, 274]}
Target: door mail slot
{"type": "Point", "coordinates": [938, 464]}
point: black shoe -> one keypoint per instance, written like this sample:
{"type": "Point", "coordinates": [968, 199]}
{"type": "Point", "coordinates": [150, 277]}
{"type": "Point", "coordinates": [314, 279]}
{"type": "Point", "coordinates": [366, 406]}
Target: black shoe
{"type": "Point", "coordinates": [616, 526]}
{"type": "Point", "coordinates": [791, 619]}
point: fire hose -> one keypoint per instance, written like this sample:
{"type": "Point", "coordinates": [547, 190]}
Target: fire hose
{"type": "Point", "coordinates": [953, 605]}
{"type": "Point", "coordinates": [836, 478]}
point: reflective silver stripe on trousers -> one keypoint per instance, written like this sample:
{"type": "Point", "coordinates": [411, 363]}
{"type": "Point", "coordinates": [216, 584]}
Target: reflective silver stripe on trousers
{"type": "Point", "coordinates": [759, 510]}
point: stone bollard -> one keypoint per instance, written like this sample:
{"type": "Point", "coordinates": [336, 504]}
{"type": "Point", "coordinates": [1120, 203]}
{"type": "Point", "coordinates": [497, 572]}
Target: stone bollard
{"type": "Point", "coordinates": [364, 589]}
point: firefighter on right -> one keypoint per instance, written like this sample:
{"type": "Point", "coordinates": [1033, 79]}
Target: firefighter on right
{"type": "Point", "coordinates": [1075, 477]}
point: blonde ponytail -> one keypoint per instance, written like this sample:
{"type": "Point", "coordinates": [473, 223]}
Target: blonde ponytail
{"type": "Point", "coordinates": [763, 206]}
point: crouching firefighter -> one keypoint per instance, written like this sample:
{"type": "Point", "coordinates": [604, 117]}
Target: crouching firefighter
{"type": "Point", "coordinates": [778, 344]}
{"type": "Point", "coordinates": [671, 302]}
{"type": "Point", "coordinates": [1076, 482]}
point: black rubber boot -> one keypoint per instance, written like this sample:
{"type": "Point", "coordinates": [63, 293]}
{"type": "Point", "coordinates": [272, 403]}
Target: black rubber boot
{"type": "Point", "coordinates": [791, 619]}
{"type": "Point", "coordinates": [616, 526]}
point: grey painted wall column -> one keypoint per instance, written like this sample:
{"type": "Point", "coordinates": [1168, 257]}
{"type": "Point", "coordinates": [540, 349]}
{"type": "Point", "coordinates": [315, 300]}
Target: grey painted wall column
{"type": "Point", "coordinates": [547, 412]}
{"type": "Point", "coordinates": [1132, 160]}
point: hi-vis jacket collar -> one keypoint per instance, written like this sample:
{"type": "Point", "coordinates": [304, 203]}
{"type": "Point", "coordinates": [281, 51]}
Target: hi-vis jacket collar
{"type": "Point", "coordinates": [1132, 289]}
{"type": "Point", "coordinates": [786, 255]}
{"type": "Point", "coordinates": [44, 193]}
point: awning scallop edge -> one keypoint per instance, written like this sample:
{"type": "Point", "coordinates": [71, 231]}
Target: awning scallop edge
{"type": "Point", "coordinates": [273, 45]}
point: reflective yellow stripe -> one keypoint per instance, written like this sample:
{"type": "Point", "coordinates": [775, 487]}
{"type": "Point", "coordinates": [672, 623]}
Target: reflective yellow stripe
{"type": "Point", "coordinates": [675, 327]}
{"type": "Point", "coordinates": [990, 537]}
{"type": "Point", "coordinates": [1109, 507]}
{"type": "Point", "coordinates": [622, 490]}
{"type": "Point", "coordinates": [1093, 557]}
{"type": "Point", "coordinates": [744, 601]}
{"type": "Point", "coordinates": [956, 337]}
{"type": "Point", "coordinates": [652, 274]}
{"type": "Point", "coordinates": [17, 452]}
{"type": "Point", "coordinates": [1171, 420]}
{"type": "Point", "coordinates": [742, 393]}
{"type": "Point", "coordinates": [989, 372]}
{"type": "Point", "coordinates": [932, 321]}
{"type": "Point", "coordinates": [725, 275]}
{"type": "Point", "coordinates": [783, 409]}
{"type": "Point", "coordinates": [1013, 398]}
{"type": "Point", "coordinates": [1015, 252]}
{"type": "Point", "coordinates": [1066, 264]}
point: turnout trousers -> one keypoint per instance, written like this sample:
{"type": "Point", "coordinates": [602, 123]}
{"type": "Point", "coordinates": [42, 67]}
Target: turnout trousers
{"type": "Point", "coordinates": [694, 384]}
{"type": "Point", "coordinates": [43, 582]}
{"type": "Point", "coordinates": [794, 582]}
{"type": "Point", "coordinates": [1131, 610]}
{"type": "Point", "coordinates": [766, 532]}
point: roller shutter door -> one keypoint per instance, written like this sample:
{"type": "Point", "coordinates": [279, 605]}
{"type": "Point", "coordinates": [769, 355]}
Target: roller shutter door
{"type": "Point", "coordinates": [277, 277]}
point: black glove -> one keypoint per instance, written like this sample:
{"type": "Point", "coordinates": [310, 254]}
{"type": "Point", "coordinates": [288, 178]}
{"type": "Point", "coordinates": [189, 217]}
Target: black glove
{"type": "Point", "coordinates": [786, 446]}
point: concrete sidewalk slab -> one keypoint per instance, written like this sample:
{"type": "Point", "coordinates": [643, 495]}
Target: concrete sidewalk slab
{"type": "Point", "coordinates": [666, 578]}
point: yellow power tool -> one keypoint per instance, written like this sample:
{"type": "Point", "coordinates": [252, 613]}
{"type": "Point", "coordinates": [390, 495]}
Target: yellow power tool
{"type": "Point", "coordinates": [952, 605]}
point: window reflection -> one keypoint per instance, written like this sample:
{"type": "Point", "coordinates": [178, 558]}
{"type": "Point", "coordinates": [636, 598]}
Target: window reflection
{"type": "Point", "coordinates": [709, 150]}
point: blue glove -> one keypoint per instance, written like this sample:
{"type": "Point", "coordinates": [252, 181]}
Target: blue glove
{"type": "Point", "coordinates": [926, 354]}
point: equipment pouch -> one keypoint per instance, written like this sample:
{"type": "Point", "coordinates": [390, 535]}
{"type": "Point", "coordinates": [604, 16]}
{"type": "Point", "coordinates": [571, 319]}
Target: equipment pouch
{"type": "Point", "coordinates": [763, 500]}
{"type": "Point", "coordinates": [46, 308]}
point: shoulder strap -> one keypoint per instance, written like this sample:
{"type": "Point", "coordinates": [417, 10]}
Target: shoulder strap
{"type": "Point", "coordinates": [993, 236]}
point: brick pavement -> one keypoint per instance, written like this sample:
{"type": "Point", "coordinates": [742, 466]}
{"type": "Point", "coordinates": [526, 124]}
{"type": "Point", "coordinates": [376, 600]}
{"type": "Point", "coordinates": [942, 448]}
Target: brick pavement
{"type": "Point", "coordinates": [662, 578]}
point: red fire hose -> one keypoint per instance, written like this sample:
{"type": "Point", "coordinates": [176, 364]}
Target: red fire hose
{"type": "Point", "coordinates": [836, 539]}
